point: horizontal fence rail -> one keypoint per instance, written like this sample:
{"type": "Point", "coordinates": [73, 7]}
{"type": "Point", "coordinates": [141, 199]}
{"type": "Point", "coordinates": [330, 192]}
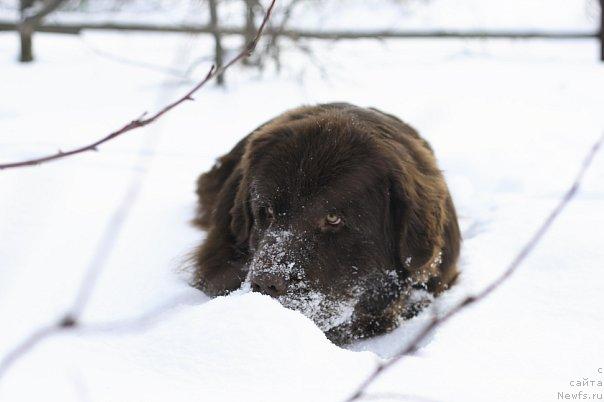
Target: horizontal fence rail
{"type": "Point", "coordinates": [76, 28]}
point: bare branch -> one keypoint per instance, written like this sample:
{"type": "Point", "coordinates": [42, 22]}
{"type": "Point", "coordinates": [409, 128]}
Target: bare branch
{"type": "Point", "coordinates": [35, 19]}
{"type": "Point", "coordinates": [27, 344]}
{"type": "Point", "coordinates": [68, 323]}
{"type": "Point", "coordinates": [469, 300]}
{"type": "Point", "coordinates": [273, 45]}
{"type": "Point", "coordinates": [142, 121]}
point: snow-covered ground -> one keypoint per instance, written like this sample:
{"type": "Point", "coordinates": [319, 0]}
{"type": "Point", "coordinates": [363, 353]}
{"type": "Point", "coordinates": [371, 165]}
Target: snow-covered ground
{"type": "Point", "coordinates": [510, 122]}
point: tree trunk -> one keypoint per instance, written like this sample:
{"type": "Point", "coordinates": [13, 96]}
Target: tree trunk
{"type": "Point", "coordinates": [25, 34]}
{"type": "Point", "coordinates": [218, 51]}
{"type": "Point", "coordinates": [29, 23]}
{"type": "Point", "coordinates": [27, 54]}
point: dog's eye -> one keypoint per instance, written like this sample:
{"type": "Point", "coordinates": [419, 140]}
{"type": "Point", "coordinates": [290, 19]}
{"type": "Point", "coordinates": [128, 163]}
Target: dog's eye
{"type": "Point", "coordinates": [333, 219]}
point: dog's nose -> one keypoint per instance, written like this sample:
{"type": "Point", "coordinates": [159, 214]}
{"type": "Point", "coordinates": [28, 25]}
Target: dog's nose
{"type": "Point", "coordinates": [270, 285]}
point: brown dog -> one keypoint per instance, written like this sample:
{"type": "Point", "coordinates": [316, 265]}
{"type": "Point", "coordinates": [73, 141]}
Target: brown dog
{"type": "Point", "coordinates": [335, 210]}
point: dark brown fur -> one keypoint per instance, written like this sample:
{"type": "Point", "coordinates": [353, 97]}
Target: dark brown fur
{"type": "Point", "coordinates": [399, 229]}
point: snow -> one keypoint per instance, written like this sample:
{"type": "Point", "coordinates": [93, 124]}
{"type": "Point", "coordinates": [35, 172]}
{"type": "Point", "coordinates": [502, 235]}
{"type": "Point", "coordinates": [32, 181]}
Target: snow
{"type": "Point", "coordinates": [237, 341]}
{"type": "Point", "coordinates": [510, 122]}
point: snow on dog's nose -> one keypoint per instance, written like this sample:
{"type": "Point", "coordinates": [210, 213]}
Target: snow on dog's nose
{"type": "Point", "coordinates": [277, 270]}
{"type": "Point", "coordinates": [274, 266]}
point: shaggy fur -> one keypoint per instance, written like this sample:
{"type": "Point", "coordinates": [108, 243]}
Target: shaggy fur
{"type": "Point", "coordinates": [337, 211]}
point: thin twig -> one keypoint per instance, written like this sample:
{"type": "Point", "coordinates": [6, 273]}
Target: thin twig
{"type": "Point", "coordinates": [70, 319]}
{"type": "Point", "coordinates": [118, 326]}
{"type": "Point", "coordinates": [143, 121]}
{"type": "Point", "coordinates": [273, 44]}
{"type": "Point", "coordinates": [469, 300]}
{"type": "Point", "coordinates": [28, 343]}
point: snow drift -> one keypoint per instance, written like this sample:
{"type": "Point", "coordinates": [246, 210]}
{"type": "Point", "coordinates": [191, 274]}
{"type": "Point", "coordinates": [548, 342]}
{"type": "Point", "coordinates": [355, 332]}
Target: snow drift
{"type": "Point", "coordinates": [240, 347]}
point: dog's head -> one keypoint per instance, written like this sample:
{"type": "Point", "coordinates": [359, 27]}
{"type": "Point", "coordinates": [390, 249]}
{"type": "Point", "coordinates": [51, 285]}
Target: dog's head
{"type": "Point", "coordinates": [340, 216]}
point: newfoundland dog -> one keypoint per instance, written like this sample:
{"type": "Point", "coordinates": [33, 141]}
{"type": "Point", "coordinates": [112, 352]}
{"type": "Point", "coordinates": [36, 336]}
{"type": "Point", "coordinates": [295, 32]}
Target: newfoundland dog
{"type": "Point", "coordinates": [337, 211]}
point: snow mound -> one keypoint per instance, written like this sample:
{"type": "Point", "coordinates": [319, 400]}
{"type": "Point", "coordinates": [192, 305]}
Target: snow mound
{"type": "Point", "coordinates": [241, 347]}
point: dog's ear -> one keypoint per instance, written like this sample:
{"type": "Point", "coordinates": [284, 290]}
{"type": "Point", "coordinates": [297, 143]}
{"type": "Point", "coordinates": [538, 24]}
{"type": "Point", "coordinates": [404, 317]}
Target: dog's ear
{"type": "Point", "coordinates": [220, 260]}
{"type": "Point", "coordinates": [213, 187]}
{"type": "Point", "coordinates": [223, 196]}
{"type": "Point", "coordinates": [418, 204]}
{"type": "Point", "coordinates": [231, 211]}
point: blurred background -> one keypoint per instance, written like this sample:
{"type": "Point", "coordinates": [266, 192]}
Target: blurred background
{"type": "Point", "coordinates": [297, 21]}
{"type": "Point", "coordinates": [510, 95]}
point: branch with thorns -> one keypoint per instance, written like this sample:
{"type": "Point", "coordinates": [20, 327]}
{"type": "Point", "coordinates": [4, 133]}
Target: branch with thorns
{"type": "Point", "coordinates": [524, 252]}
{"type": "Point", "coordinates": [143, 120]}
